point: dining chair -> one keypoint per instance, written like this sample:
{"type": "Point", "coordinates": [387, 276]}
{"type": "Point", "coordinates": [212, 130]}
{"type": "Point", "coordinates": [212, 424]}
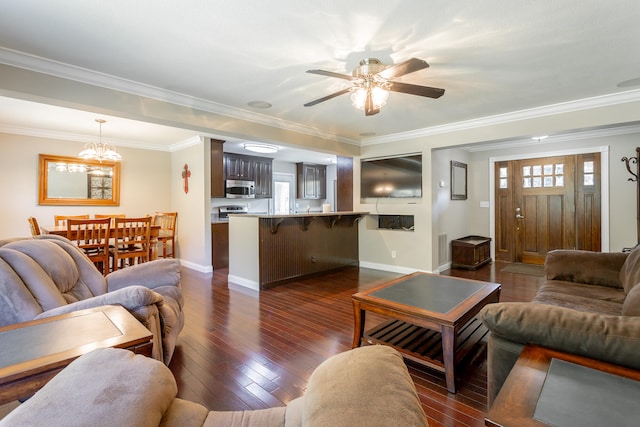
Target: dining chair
{"type": "Point", "coordinates": [132, 239]}
{"type": "Point", "coordinates": [92, 236]}
{"type": "Point", "coordinates": [168, 222]}
{"type": "Point", "coordinates": [33, 225]}
{"type": "Point", "coordinates": [61, 220]}
{"type": "Point", "coordinates": [111, 216]}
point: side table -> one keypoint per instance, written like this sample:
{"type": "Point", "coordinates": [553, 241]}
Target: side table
{"type": "Point", "coordinates": [34, 352]}
{"type": "Point", "coordinates": [565, 389]}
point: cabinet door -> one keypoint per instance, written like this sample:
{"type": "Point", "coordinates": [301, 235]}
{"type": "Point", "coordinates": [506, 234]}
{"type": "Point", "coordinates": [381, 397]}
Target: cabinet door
{"type": "Point", "coordinates": [263, 174]}
{"type": "Point", "coordinates": [217, 169]}
{"type": "Point", "coordinates": [321, 182]}
{"type": "Point", "coordinates": [310, 182]}
{"type": "Point", "coordinates": [220, 245]}
{"type": "Point", "coordinates": [238, 167]}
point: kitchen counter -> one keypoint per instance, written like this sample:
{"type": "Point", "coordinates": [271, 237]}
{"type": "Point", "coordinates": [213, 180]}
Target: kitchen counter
{"type": "Point", "coordinates": [302, 215]}
{"type": "Point", "coordinates": [269, 250]}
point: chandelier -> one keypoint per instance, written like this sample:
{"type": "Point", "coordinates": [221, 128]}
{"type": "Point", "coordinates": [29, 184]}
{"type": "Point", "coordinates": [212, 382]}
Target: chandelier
{"type": "Point", "coordinates": [100, 151]}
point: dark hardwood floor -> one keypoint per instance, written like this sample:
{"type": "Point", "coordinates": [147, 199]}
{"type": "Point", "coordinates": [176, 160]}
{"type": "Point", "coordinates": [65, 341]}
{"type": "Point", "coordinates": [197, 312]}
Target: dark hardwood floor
{"type": "Point", "coordinates": [243, 350]}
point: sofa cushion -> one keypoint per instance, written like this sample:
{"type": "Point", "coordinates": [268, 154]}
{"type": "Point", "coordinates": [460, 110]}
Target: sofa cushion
{"type": "Point", "coordinates": [630, 271]}
{"type": "Point", "coordinates": [593, 268]}
{"type": "Point", "coordinates": [366, 386]}
{"type": "Point", "coordinates": [631, 306]}
{"type": "Point", "coordinates": [613, 339]}
{"type": "Point", "coordinates": [183, 413]}
{"type": "Point", "coordinates": [106, 387]}
{"type": "Point", "coordinates": [272, 417]}
{"type": "Point", "coordinates": [588, 298]}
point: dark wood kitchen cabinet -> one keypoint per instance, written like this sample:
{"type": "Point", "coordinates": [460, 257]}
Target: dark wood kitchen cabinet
{"type": "Point", "coordinates": [263, 176]}
{"type": "Point", "coordinates": [217, 169]}
{"type": "Point", "coordinates": [220, 245]}
{"type": "Point", "coordinates": [237, 166]}
{"type": "Point", "coordinates": [312, 181]}
{"type": "Point", "coordinates": [344, 184]}
{"type": "Point", "coordinates": [251, 168]}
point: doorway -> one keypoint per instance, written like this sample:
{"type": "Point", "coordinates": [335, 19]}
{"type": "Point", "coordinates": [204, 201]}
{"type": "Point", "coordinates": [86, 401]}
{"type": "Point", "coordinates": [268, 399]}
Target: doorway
{"type": "Point", "coordinates": [283, 193]}
{"type": "Point", "coordinates": [547, 203]}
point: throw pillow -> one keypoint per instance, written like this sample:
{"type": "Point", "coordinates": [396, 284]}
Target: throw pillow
{"type": "Point", "coordinates": [631, 305]}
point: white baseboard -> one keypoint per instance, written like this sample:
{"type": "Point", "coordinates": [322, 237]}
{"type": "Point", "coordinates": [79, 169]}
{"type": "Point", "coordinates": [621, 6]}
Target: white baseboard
{"type": "Point", "coordinates": [391, 268]}
{"type": "Point", "coordinates": [207, 269]}
{"type": "Point", "coordinates": [443, 267]}
{"type": "Point", "coordinates": [241, 281]}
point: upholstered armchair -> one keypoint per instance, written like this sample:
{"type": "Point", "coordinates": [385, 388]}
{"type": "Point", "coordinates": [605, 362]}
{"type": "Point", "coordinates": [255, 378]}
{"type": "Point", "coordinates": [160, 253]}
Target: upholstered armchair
{"type": "Point", "coordinates": [47, 275]}
{"type": "Point", "coordinates": [366, 386]}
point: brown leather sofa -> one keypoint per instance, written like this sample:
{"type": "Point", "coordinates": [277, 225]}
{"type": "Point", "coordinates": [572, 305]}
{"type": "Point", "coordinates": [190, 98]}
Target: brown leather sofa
{"type": "Point", "coordinates": [368, 386]}
{"type": "Point", "coordinates": [589, 305]}
{"type": "Point", "coordinates": [47, 275]}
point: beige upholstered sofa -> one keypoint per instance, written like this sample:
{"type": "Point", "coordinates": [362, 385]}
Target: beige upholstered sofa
{"type": "Point", "coordinates": [589, 305]}
{"type": "Point", "coordinates": [47, 275]}
{"type": "Point", "coordinates": [368, 386]}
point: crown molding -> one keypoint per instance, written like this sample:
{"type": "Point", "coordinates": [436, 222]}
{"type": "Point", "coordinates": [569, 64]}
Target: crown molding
{"type": "Point", "coordinates": [67, 136]}
{"type": "Point", "coordinates": [578, 135]}
{"type": "Point", "coordinates": [547, 110]}
{"type": "Point", "coordinates": [189, 142]}
{"type": "Point", "coordinates": [83, 75]}
{"type": "Point", "coordinates": [96, 78]}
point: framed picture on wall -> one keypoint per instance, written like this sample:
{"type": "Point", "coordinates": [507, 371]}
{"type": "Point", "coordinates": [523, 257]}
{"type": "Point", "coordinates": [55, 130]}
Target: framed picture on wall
{"type": "Point", "coordinates": [100, 187]}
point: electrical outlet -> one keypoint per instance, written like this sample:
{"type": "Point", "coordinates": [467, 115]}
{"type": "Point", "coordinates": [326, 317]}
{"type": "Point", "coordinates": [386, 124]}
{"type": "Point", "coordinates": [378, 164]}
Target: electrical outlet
{"type": "Point", "coordinates": [393, 254]}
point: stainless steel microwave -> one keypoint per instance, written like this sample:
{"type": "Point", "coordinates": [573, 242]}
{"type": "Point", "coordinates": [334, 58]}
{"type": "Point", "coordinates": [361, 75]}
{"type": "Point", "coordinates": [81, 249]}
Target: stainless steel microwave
{"type": "Point", "coordinates": [238, 189]}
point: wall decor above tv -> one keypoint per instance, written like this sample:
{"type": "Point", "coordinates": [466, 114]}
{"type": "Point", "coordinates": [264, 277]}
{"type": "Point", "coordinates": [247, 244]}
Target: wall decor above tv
{"type": "Point", "coordinates": [399, 176]}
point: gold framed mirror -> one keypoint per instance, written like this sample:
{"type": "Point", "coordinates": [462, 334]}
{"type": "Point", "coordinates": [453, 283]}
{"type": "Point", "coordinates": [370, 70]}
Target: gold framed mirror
{"type": "Point", "coordinates": [72, 181]}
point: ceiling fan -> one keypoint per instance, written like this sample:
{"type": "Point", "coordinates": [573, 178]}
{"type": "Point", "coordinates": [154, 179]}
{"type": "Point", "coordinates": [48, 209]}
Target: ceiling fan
{"type": "Point", "coordinates": [372, 82]}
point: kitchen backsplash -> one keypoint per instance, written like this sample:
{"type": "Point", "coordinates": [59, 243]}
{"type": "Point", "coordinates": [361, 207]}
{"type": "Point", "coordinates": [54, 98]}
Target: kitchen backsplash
{"type": "Point", "coordinates": [265, 206]}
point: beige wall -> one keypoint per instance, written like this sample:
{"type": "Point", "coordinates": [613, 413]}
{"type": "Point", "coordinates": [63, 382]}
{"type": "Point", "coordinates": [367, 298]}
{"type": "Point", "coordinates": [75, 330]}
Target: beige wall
{"type": "Point", "coordinates": [143, 183]}
{"type": "Point", "coordinates": [153, 173]}
{"type": "Point", "coordinates": [436, 214]}
{"type": "Point", "coordinates": [194, 210]}
{"type": "Point", "coordinates": [150, 181]}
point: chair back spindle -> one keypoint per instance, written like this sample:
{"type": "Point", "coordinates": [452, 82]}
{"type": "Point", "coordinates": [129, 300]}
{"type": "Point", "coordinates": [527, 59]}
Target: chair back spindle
{"type": "Point", "coordinates": [132, 241]}
{"type": "Point", "coordinates": [92, 236]}
{"type": "Point", "coordinates": [168, 222]}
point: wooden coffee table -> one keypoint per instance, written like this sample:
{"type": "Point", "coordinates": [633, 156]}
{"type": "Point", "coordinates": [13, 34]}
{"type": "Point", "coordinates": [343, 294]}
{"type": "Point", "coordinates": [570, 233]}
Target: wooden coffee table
{"type": "Point", "coordinates": [432, 318]}
{"type": "Point", "coordinates": [34, 352]}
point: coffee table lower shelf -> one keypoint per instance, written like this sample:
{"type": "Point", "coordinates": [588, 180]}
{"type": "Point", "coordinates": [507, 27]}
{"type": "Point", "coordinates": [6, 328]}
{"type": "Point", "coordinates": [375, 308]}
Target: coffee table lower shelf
{"type": "Point", "coordinates": [424, 345]}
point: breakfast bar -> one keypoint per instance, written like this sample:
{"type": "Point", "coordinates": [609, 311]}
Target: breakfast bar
{"type": "Point", "coordinates": [268, 250]}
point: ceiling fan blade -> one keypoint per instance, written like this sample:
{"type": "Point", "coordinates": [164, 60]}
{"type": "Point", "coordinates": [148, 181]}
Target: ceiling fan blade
{"type": "Point", "coordinates": [332, 74]}
{"type": "Point", "coordinates": [431, 92]}
{"type": "Point", "coordinates": [326, 98]}
{"type": "Point", "coordinates": [406, 67]}
{"type": "Point", "coordinates": [369, 109]}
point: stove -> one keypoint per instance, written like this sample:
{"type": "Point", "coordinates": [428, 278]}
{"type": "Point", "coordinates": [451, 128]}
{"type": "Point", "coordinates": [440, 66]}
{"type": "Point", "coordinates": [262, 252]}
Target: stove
{"type": "Point", "coordinates": [224, 211]}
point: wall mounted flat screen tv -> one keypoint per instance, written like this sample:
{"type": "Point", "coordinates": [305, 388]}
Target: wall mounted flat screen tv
{"type": "Point", "coordinates": [391, 177]}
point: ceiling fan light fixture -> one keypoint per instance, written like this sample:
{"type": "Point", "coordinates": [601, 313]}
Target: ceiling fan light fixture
{"type": "Point", "coordinates": [260, 148]}
{"type": "Point", "coordinates": [99, 151]}
{"type": "Point", "coordinates": [379, 97]}
{"type": "Point", "coordinates": [371, 83]}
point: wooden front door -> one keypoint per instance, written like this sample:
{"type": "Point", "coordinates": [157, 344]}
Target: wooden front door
{"type": "Point", "coordinates": [547, 203]}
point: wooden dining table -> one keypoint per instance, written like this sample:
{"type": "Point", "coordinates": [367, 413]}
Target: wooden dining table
{"type": "Point", "coordinates": [61, 230]}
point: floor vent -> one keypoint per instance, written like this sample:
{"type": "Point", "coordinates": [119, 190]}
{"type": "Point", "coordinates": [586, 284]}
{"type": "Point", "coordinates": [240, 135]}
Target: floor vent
{"type": "Point", "coordinates": [443, 253]}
